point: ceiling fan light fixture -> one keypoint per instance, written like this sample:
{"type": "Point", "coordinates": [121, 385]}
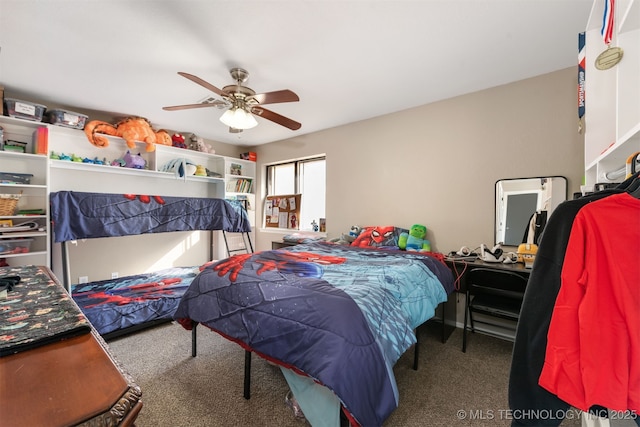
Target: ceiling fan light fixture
{"type": "Point", "coordinates": [238, 118]}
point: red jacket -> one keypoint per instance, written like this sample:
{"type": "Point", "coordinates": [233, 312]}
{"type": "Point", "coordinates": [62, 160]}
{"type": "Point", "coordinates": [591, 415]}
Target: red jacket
{"type": "Point", "coordinates": [593, 346]}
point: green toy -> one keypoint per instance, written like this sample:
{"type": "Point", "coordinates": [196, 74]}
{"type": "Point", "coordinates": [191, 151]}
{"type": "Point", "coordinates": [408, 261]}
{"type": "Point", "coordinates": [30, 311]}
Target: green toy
{"type": "Point", "coordinates": [415, 240]}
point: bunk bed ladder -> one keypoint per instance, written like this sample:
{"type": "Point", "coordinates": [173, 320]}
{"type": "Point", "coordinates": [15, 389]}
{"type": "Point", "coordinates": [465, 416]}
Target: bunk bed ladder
{"type": "Point", "coordinates": [245, 247]}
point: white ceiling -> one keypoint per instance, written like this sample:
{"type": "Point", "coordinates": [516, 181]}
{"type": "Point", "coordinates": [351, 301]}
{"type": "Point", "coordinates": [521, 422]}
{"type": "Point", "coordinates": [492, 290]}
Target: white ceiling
{"type": "Point", "coordinates": [347, 60]}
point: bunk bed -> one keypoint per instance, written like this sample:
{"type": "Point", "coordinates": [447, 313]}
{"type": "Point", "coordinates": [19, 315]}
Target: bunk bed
{"type": "Point", "coordinates": [332, 315]}
{"type": "Point", "coordinates": [126, 304]}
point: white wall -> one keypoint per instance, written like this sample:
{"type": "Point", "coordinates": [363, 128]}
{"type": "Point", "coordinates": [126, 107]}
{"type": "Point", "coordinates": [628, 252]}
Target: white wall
{"type": "Point", "coordinates": [437, 164]}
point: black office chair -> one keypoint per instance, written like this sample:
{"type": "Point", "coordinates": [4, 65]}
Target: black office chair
{"type": "Point", "coordinates": [492, 293]}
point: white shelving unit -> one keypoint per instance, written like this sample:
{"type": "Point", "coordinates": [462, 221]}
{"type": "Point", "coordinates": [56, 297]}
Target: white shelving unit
{"type": "Point", "coordinates": [241, 185]}
{"type": "Point", "coordinates": [612, 118]}
{"type": "Point", "coordinates": [59, 175]}
{"type": "Point", "coordinates": [34, 195]}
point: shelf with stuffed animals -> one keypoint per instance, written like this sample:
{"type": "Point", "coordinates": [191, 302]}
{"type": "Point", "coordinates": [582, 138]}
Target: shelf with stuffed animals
{"type": "Point", "coordinates": [71, 149]}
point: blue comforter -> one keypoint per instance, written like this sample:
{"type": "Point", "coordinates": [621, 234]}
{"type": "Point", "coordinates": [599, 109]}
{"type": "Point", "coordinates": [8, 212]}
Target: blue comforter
{"type": "Point", "coordinates": [78, 215]}
{"type": "Point", "coordinates": [341, 315]}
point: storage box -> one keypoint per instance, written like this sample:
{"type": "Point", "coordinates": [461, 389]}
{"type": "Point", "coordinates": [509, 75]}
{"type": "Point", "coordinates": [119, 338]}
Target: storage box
{"type": "Point", "coordinates": [15, 178]}
{"type": "Point", "coordinates": [15, 146]}
{"type": "Point", "coordinates": [15, 246]}
{"type": "Point", "coordinates": [24, 109]}
{"type": "Point", "coordinates": [66, 118]}
{"type": "Point", "coordinates": [249, 156]}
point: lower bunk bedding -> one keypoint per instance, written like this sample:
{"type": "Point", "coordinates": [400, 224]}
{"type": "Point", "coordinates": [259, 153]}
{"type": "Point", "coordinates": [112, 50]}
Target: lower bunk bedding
{"type": "Point", "coordinates": [337, 316]}
{"type": "Point", "coordinates": [119, 306]}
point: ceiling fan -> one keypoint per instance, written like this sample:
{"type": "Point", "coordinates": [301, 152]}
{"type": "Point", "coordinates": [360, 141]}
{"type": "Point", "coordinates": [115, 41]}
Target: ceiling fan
{"type": "Point", "coordinates": [242, 102]}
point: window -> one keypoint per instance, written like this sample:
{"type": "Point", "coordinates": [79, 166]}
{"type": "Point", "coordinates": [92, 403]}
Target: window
{"type": "Point", "coordinates": [306, 177]}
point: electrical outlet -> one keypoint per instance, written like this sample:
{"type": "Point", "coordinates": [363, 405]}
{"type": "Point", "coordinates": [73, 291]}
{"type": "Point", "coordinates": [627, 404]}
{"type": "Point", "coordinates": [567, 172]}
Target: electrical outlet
{"type": "Point", "coordinates": [83, 279]}
{"type": "Point", "coordinates": [114, 275]}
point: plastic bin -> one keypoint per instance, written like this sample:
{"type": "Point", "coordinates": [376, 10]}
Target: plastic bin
{"type": "Point", "coordinates": [15, 246]}
{"type": "Point", "coordinates": [15, 178]}
{"type": "Point", "coordinates": [66, 118]}
{"type": "Point", "coordinates": [24, 109]}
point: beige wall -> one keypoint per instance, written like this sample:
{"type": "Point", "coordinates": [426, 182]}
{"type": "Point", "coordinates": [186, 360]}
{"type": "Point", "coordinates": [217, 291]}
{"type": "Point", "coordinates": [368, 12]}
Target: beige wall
{"type": "Point", "coordinates": [437, 164]}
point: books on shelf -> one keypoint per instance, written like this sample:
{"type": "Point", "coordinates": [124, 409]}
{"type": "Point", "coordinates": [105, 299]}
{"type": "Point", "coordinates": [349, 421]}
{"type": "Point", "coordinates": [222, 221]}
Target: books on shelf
{"type": "Point", "coordinates": [240, 185]}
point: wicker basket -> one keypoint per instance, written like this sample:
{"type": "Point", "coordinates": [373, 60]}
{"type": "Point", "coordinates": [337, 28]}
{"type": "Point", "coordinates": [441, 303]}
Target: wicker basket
{"type": "Point", "coordinates": [9, 203]}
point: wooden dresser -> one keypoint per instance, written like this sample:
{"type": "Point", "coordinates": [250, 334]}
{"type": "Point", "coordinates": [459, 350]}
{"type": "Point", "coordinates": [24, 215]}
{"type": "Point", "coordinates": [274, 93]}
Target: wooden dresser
{"type": "Point", "coordinates": [68, 382]}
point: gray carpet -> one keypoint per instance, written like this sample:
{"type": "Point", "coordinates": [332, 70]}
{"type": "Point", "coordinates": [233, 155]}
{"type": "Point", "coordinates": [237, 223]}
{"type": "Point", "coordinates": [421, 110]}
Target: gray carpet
{"type": "Point", "coordinates": [450, 388]}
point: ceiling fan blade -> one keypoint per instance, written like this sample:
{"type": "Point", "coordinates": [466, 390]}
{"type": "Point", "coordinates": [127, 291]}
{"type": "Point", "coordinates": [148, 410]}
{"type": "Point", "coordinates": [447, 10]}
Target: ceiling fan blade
{"type": "Point", "coordinates": [188, 106]}
{"type": "Point", "coordinates": [276, 118]}
{"type": "Point", "coordinates": [275, 97]}
{"type": "Point", "coordinates": [201, 82]}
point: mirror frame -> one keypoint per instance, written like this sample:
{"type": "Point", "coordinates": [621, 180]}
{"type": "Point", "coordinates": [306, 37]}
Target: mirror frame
{"type": "Point", "coordinates": [520, 186]}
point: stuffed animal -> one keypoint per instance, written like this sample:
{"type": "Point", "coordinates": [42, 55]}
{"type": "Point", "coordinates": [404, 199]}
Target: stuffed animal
{"type": "Point", "coordinates": [197, 143]}
{"type": "Point", "coordinates": [131, 129]}
{"type": "Point", "coordinates": [163, 138]}
{"type": "Point", "coordinates": [347, 239]}
{"type": "Point", "coordinates": [177, 140]}
{"type": "Point", "coordinates": [180, 167]}
{"type": "Point", "coordinates": [134, 161]}
{"type": "Point", "coordinates": [415, 240]}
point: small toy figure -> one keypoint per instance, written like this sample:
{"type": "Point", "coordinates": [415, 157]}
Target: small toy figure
{"type": "Point", "coordinates": [200, 171]}
{"type": "Point", "coordinates": [415, 239]}
{"type": "Point", "coordinates": [314, 225]}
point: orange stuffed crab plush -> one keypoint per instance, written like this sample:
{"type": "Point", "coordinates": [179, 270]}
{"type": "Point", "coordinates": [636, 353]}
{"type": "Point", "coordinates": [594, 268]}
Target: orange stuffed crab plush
{"type": "Point", "coordinates": [131, 129]}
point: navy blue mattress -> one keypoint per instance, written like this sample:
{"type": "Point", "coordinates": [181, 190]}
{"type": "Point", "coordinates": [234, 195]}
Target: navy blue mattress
{"type": "Point", "coordinates": [121, 304]}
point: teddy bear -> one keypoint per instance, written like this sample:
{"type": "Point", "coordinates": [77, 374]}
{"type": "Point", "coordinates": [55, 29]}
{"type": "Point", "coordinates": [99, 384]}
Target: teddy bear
{"type": "Point", "coordinates": [197, 143]}
{"type": "Point", "coordinates": [415, 240]}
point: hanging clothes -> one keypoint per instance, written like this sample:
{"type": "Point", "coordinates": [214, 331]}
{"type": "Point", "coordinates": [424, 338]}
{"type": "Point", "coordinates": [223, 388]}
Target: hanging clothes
{"type": "Point", "coordinates": [535, 227]}
{"type": "Point", "coordinates": [527, 400]}
{"type": "Point", "coordinates": [594, 334]}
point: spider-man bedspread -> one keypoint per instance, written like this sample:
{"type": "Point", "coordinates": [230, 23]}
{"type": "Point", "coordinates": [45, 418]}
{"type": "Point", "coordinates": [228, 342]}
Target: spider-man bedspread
{"type": "Point", "coordinates": [79, 215]}
{"type": "Point", "coordinates": [340, 315]}
{"type": "Point", "coordinates": [117, 304]}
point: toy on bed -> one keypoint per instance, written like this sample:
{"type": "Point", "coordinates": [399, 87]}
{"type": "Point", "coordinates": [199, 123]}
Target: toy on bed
{"type": "Point", "coordinates": [414, 240]}
{"type": "Point", "coordinates": [131, 129]}
{"type": "Point", "coordinates": [348, 238]}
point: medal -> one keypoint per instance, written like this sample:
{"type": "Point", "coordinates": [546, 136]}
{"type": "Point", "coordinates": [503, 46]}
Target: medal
{"type": "Point", "coordinates": [612, 55]}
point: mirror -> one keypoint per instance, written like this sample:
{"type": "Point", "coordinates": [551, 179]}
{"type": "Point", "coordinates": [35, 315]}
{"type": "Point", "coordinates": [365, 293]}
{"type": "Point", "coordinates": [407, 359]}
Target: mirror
{"type": "Point", "coordinates": [518, 199]}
